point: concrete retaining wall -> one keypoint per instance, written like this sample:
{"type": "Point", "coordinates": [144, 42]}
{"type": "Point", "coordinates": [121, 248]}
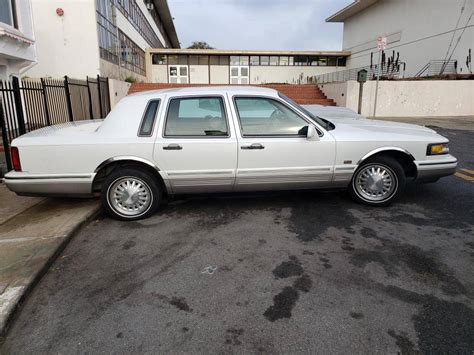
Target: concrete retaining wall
{"type": "Point", "coordinates": [427, 98]}
{"type": "Point", "coordinates": [117, 90]}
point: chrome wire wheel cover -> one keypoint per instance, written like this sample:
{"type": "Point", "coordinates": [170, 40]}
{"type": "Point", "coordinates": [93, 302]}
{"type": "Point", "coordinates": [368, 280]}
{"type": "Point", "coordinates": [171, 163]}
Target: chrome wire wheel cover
{"type": "Point", "coordinates": [130, 196]}
{"type": "Point", "coordinates": [376, 183]}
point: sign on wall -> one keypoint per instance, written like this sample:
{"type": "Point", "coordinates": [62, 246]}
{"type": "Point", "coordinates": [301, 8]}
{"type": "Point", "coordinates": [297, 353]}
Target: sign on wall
{"type": "Point", "coordinates": [381, 43]}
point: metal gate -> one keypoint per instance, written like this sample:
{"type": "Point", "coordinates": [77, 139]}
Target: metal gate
{"type": "Point", "coordinates": [30, 104]}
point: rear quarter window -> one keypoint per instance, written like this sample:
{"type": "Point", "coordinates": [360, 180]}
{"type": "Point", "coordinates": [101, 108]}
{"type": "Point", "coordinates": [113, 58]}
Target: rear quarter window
{"type": "Point", "coordinates": [149, 118]}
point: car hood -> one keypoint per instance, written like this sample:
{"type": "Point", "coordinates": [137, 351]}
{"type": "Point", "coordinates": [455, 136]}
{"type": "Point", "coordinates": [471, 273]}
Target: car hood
{"type": "Point", "coordinates": [369, 129]}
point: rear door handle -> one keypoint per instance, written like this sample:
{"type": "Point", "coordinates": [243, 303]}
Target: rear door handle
{"type": "Point", "coordinates": [173, 146]}
{"type": "Point", "coordinates": [253, 146]}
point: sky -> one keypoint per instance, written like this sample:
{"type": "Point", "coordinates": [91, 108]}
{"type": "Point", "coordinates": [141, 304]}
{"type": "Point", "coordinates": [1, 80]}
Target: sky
{"type": "Point", "coordinates": [259, 24]}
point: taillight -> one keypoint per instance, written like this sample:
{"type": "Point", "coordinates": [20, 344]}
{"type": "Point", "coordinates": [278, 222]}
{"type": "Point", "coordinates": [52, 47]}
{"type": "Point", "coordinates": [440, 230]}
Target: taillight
{"type": "Point", "coordinates": [16, 159]}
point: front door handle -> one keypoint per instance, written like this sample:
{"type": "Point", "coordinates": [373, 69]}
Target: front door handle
{"type": "Point", "coordinates": [173, 146]}
{"type": "Point", "coordinates": [253, 146]}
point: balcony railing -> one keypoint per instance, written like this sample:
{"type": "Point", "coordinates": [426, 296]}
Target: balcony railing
{"type": "Point", "coordinates": [387, 72]}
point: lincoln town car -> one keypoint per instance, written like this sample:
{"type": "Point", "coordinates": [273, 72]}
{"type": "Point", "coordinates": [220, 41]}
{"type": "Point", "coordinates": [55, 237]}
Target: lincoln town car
{"type": "Point", "coordinates": [157, 144]}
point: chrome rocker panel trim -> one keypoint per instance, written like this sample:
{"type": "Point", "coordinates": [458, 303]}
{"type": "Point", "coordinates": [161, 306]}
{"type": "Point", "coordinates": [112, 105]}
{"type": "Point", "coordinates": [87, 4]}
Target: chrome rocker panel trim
{"type": "Point", "coordinates": [49, 185]}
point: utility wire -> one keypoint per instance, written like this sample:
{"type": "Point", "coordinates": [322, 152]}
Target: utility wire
{"type": "Point", "coordinates": [414, 41]}
{"type": "Point", "coordinates": [452, 38]}
{"type": "Point", "coordinates": [459, 38]}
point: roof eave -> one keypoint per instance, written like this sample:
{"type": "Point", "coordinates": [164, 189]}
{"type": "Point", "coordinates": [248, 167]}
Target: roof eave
{"type": "Point", "coordinates": [165, 15]}
{"type": "Point", "coordinates": [245, 52]}
{"type": "Point", "coordinates": [350, 10]}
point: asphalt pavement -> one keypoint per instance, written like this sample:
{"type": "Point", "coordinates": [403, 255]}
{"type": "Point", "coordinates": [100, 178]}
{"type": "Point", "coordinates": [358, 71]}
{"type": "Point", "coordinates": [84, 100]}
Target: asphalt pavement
{"type": "Point", "coordinates": [282, 272]}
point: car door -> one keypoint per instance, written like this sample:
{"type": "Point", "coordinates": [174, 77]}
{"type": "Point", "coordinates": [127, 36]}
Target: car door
{"type": "Point", "coordinates": [274, 151]}
{"type": "Point", "coordinates": [197, 146]}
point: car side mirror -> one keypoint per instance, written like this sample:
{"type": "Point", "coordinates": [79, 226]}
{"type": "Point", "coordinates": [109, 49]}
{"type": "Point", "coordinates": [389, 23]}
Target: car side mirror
{"type": "Point", "coordinates": [312, 133]}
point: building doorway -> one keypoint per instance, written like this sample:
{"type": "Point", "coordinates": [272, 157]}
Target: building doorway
{"type": "Point", "coordinates": [239, 74]}
{"type": "Point", "coordinates": [178, 74]}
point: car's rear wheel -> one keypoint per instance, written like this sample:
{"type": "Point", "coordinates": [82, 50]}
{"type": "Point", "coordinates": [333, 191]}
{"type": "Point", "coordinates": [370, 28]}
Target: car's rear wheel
{"type": "Point", "coordinates": [130, 194]}
{"type": "Point", "coordinates": [378, 181]}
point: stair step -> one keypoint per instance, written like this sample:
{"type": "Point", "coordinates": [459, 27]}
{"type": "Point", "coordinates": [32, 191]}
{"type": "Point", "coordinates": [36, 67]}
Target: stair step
{"type": "Point", "coordinates": [302, 93]}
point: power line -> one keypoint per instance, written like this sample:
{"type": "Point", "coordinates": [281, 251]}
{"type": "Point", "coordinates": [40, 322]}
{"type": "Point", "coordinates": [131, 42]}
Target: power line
{"type": "Point", "coordinates": [454, 33]}
{"type": "Point", "coordinates": [459, 39]}
{"type": "Point", "coordinates": [415, 41]}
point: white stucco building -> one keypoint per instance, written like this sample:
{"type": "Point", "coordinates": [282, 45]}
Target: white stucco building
{"type": "Point", "coordinates": [419, 31]}
{"type": "Point", "coordinates": [17, 40]}
{"type": "Point", "coordinates": [213, 66]}
{"type": "Point", "coordinates": [82, 38]}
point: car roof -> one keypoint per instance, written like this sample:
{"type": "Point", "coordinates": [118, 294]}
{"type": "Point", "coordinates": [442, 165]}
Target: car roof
{"type": "Point", "coordinates": [211, 90]}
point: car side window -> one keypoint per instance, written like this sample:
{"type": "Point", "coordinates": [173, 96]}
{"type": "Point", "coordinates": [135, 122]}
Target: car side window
{"type": "Point", "coordinates": [148, 120]}
{"type": "Point", "coordinates": [260, 116]}
{"type": "Point", "coordinates": [196, 117]}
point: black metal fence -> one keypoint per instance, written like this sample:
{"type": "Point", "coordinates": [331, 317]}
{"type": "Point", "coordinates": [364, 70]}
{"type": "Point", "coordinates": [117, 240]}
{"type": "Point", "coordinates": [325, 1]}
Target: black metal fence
{"type": "Point", "coordinates": [30, 104]}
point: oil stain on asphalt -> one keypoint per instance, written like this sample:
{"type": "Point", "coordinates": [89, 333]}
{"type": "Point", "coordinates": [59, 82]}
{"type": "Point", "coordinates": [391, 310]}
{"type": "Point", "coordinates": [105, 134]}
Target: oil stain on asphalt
{"type": "Point", "coordinates": [285, 301]}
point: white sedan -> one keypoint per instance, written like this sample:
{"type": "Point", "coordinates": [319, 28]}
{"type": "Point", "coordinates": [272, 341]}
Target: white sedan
{"type": "Point", "coordinates": [221, 139]}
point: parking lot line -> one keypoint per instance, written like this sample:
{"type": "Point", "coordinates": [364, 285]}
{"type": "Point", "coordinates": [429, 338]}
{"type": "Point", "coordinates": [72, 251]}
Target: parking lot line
{"type": "Point", "coordinates": [464, 176]}
{"type": "Point", "coordinates": [469, 171]}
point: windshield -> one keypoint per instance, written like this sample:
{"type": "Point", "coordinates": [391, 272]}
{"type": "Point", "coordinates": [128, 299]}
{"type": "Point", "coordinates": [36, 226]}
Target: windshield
{"type": "Point", "coordinates": [321, 121]}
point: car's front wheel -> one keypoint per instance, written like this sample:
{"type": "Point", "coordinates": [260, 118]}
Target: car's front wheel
{"type": "Point", "coordinates": [378, 181]}
{"type": "Point", "coordinates": [130, 194]}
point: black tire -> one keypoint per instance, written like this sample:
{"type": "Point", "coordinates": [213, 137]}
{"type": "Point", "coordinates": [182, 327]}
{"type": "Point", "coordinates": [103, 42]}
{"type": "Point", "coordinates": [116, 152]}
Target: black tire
{"type": "Point", "coordinates": [393, 167]}
{"type": "Point", "coordinates": [147, 182]}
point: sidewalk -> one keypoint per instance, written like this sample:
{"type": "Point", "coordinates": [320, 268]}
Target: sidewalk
{"type": "Point", "coordinates": [459, 122]}
{"type": "Point", "coordinates": [33, 231]}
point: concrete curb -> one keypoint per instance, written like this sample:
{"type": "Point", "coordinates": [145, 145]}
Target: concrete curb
{"type": "Point", "coordinates": [16, 295]}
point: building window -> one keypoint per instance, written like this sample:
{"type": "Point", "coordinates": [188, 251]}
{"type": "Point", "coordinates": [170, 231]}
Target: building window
{"type": "Point", "coordinates": [312, 60]}
{"type": "Point", "coordinates": [322, 61]}
{"type": "Point", "coordinates": [273, 60]}
{"type": "Point", "coordinates": [198, 60]}
{"type": "Point", "coordinates": [131, 10]}
{"type": "Point", "coordinates": [158, 59]}
{"type": "Point", "coordinates": [219, 60]}
{"type": "Point", "coordinates": [107, 31]}
{"type": "Point", "coordinates": [131, 55]}
{"type": "Point", "coordinates": [341, 61]}
{"type": "Point", "coordinates": [239, 60]}
{"type": "Point", "coordinates": [283, 60]}
{"type": "Point", "coordinates": [203, 60]}
{"type": "Point", "coordinates": [332, 61]}
{"type": "Point", "coordinates": [264, 60]}
{"type": "Point", "coordinates": [300, 60]}
{"type": "Point", "coordinates": [254, 60]}
{"type": "Point", "coordinates": [7, 12]}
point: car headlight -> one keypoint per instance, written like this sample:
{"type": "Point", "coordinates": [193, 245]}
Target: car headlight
{"type": "Point", "coordinates": [437, 149]}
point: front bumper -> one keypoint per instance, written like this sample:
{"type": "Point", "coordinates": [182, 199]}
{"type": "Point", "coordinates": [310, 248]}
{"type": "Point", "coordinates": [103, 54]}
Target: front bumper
{"type": "Point", "coordinates": [49, 185]}
{"type": "Point", "coordinates": [433, 169]}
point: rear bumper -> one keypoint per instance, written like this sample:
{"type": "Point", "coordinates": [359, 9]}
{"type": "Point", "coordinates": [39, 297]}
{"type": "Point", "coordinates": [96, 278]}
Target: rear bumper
{"type": "Point", "coordinates": [49, 185]}
{"type": "Point", "coordinates": [429, 170]}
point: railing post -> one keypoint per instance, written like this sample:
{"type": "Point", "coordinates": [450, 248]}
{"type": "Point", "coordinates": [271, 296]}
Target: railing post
{"type": "Point", "coordinates": [18, 105]}
{"type": "Point", "coordinates": [45, 100]}
{"type": "Point", "coordinates": [91, 111]}
{"type": "Point", "coordinates": [6, 144]}
{"type": "Point", "coordinates": [100, 97]}
{"type": "Point", "coordinates": [68, 98]}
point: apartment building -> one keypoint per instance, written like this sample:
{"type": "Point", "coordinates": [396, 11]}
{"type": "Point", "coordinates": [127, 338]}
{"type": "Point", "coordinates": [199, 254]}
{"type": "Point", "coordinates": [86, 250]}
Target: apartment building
{"type": "Point", "coordinates": [17, 40]}
{"type": "Point", "coordinates": [82, 38]}
{"type": "Point", "coordinates": [418, 32]}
